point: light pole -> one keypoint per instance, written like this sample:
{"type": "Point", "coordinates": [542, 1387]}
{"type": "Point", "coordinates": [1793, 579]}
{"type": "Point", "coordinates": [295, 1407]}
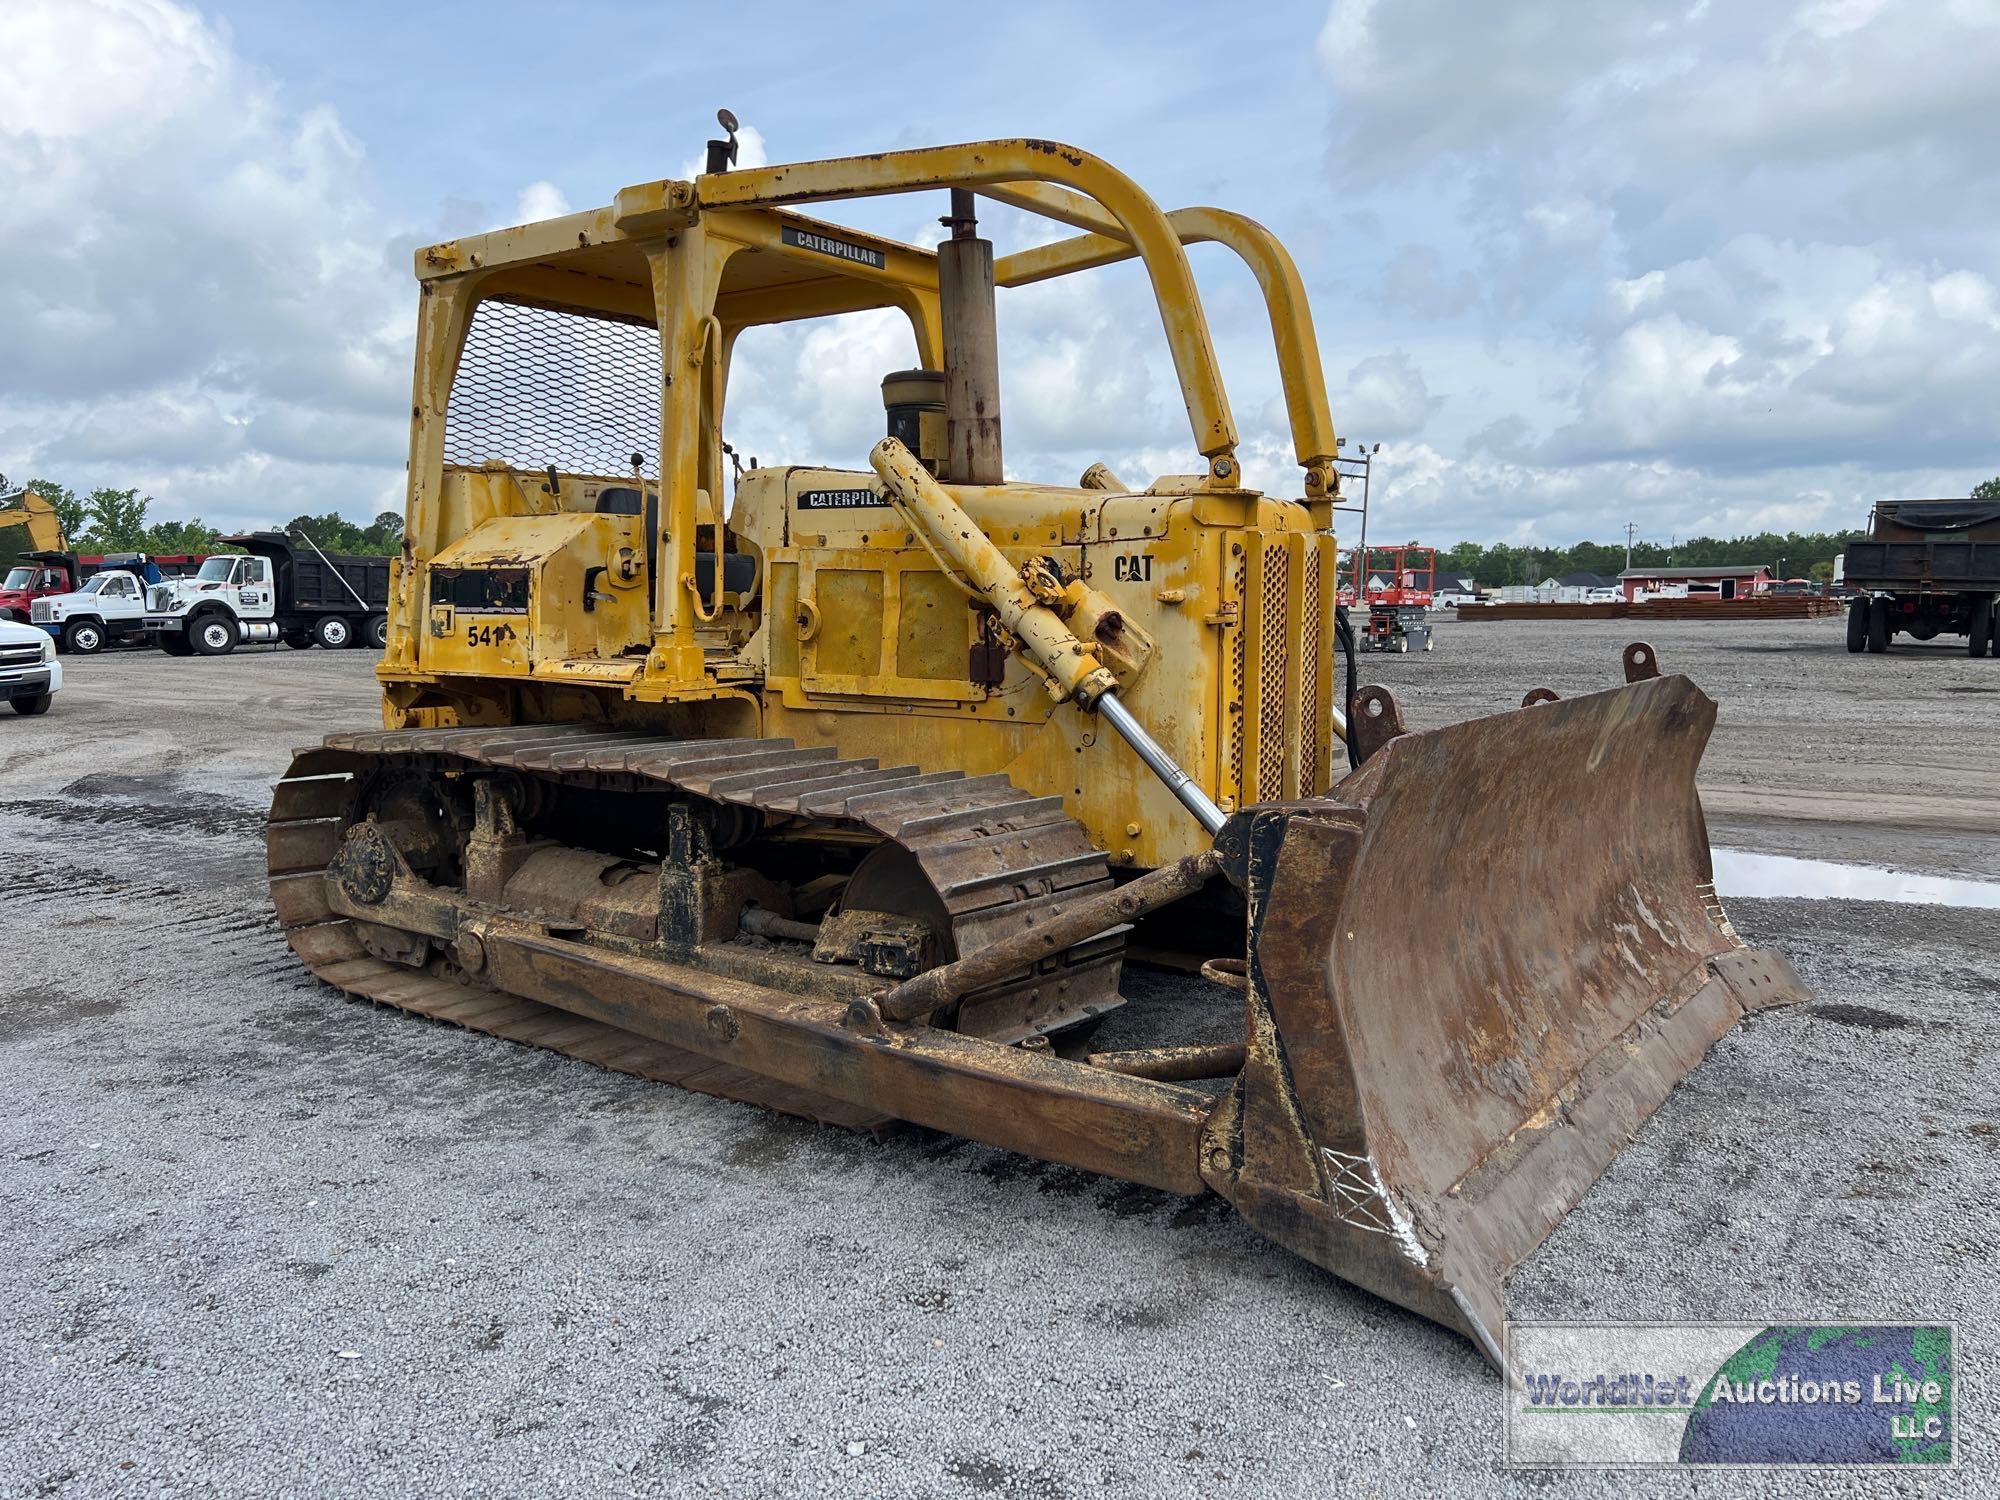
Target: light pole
{"type": "Point", "coordinates": [1363, 462]}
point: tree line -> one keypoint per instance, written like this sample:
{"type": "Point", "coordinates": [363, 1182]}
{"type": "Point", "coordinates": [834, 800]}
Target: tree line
{"type": "Point", "coordinates": [109, 520]}
{"type": "Point", "coordinates": [1789, 554]}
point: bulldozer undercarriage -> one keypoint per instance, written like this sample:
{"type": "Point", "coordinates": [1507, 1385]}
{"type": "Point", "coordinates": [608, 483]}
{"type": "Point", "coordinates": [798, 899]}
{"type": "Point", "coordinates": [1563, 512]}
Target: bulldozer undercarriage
{"type": "Point", "coordinates": [1440, 1027]}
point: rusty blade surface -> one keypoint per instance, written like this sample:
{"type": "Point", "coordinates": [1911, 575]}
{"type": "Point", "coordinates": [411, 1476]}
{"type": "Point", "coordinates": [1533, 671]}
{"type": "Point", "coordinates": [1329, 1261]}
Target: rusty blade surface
{"type": "Point", "coordinates": [1479, 965]}
{"type": "Point", "coordinates": [1529, 886]}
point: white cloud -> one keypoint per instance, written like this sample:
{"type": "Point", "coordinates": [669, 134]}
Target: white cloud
{"type": "Point", "coordinates": [1415, 281]}
{"type": "Point", "coordinates": [1571, 261]}
{"type": "Point", "coordinates": [1764, 354]}
{"type": "Point", "coordinates": [1384, 397]}
{"type": "Point", "coordinates": [540, 200]}
{"type": "Point", "coordinates": [1750, 244]}
{"type": "Point", "coordinates": [197, 295]}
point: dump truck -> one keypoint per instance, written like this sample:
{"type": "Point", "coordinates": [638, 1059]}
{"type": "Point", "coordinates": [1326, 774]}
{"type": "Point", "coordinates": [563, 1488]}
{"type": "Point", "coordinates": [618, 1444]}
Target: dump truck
{"type": "Point", "coordinates": [275, 590]}
{"type": "Point", "coordinates": [109, 606]}
{"type": "Point", "coordinates": [1926, 568]}
{"type": "Point", "coordinates": [40, 575]}
{"type": "Point", "coordinates": [28, 524]}
{"type": "Point", "coordinates": [842, 791]}
{"type": "Point", "coordinates": [36, 575]}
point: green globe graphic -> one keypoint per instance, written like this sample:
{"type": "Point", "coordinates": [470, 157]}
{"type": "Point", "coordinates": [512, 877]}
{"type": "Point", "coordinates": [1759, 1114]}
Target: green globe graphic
{"type": "Point", "coordinates": [1820, 1363]}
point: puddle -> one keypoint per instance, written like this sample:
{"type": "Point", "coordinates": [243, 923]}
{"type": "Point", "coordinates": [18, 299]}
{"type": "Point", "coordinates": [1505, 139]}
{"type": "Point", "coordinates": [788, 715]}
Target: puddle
{"type": "Point", "coordinates": [1740, 873]}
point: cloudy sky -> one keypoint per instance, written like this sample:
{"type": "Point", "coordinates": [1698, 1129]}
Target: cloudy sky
{"type": "Point", "coordinates": [1706, 267]}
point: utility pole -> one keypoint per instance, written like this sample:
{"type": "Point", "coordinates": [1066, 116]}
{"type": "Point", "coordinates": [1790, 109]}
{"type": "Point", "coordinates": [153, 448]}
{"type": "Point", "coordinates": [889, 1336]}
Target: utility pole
{"type": "Point", "coordinates": [1367, 474]}
{"type": "Point", "coordinates": [1629, 529]}
{"type": "Point", "coordinates": [1364, 457]}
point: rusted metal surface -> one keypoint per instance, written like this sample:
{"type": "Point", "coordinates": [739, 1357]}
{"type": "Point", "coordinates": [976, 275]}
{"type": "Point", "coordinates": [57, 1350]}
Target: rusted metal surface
{"type": "Point", "coordinates": [1175, 1064]}
{"type": "Point", "coordinates": [1540, 695]}
{"type": "Point", "coordinates": [1641, 662]}
{"type": "Point", "coordinates": [1378, 719]}
{"type": "Point", "coordinates": [769, 924]}
{"type": "Point", "coordinates": [1444, 1052]}
{"type": "Point", "coordinates": [1231, 973]}
{"type": "Point", "coordinates": [742, 1040]}
{"type": "Point", "coordinates": [1061, 926]}
{"type": "Point", "coordinates": [1024, 1100]}
{"type": "Point", "coordinates": [993, 856]}
{"type": "Point", "coordinates": [996, 857]}
{"type": "Point", "coordinates": [971, 351]}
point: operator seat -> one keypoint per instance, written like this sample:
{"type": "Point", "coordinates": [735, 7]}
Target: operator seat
{"type": "Point", "coordinates": [739, 569]}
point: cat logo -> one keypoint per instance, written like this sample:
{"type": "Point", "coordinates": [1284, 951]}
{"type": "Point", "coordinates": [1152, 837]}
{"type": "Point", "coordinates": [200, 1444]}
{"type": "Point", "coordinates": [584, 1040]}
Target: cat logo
{"type": "Point", "coordinates": [1135, 567]}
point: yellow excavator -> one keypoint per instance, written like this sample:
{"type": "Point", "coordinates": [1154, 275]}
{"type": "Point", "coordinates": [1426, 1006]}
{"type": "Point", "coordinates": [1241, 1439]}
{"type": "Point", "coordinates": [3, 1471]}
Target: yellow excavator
{"type": "Point", "coordinates": [847, 792]}
{"type": "Point", "coordinates": [28, 523]}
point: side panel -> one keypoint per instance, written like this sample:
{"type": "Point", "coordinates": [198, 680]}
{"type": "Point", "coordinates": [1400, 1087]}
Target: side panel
{"type": "Point", "coordinates": [868, 646]}
{"type": "Point", "coordinates": [1972, 567]}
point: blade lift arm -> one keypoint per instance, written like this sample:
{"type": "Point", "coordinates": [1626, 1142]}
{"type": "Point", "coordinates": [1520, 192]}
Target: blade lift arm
{"type": "Point", "coordinates": [1071, 668]}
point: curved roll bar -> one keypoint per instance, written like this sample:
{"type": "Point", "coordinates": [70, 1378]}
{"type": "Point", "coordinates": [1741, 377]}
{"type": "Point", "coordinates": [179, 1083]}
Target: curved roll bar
{"type": "Point", "coordinates": [1104, 244]}
{"type": "Point", "coordinates": [1133, 217]}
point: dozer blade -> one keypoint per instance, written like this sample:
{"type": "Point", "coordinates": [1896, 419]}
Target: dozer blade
{"type": "Point", "coordinates": [1476, 967]}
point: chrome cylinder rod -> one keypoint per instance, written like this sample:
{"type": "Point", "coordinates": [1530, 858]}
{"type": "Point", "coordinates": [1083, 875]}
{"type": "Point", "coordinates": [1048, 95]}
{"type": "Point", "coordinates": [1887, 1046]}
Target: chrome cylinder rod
{"type": "Point", "coordinates": [1192, 797]}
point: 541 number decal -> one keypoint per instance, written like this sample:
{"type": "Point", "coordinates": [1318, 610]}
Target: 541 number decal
{"type": "Point", "coordinates": [488, 635]}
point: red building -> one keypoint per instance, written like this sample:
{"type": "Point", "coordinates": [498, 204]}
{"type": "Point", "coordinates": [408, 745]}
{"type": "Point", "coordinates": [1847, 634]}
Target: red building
{"type": "Point", "coordinates": [1740, 581]}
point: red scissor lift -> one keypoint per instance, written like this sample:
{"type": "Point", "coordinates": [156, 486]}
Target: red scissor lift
{"type": "Point", "coordinates": [1396, 583]}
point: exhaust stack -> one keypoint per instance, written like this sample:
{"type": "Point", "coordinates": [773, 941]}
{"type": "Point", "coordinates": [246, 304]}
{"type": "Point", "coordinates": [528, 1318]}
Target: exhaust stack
{"type": "Point", "coordinates": [971, 350]}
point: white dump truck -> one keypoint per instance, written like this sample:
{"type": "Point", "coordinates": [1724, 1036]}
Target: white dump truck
{"type": "Point", "coordinates": [273, 591]}
{"type": "Point", "coordinates": [108, 608]}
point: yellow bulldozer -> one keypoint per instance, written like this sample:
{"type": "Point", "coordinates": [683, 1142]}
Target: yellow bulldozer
{"type": "Point", "coordinates": [846, 791]}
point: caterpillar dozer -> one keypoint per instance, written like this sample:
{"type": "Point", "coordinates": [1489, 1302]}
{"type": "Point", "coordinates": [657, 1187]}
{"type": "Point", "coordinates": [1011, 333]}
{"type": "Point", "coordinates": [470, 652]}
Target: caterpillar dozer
{"type": "Point", "coordinates": [846, 792]}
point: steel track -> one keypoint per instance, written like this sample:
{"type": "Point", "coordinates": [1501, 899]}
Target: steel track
{"type": "Point", "coordinates": [998, 859]}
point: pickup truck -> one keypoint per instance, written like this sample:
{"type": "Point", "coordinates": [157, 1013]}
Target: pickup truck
{"type": "Point", "coordinates": [30, 675]}
{"type": "Point", "coordinates": [275, 591]}
{"type": "Point", "coordinates": [109, 607]}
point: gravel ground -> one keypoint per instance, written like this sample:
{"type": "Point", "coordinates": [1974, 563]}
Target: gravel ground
{"type": "Point", "coordinates": [1870, 759]}
{"type": "Point", "coordinates": [258, 1240]}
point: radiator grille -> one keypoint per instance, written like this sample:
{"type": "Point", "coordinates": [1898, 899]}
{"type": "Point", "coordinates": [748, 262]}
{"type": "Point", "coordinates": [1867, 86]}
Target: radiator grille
{"type": "Point", "coordinates": [1312, 745]}
{"type": "Point", "coordinates": [1239, 648]}
{"type": "Point", "coordinates": [14, 657]}
{"type": "Point", "coordinates": [1277, 723]}
{"type": "Point", "coordinates": [1279, 641]}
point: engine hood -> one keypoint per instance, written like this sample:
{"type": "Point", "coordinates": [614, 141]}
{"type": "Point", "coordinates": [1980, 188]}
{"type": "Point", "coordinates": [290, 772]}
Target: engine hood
{"type": "Point", "coordinates": [14, 633]}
